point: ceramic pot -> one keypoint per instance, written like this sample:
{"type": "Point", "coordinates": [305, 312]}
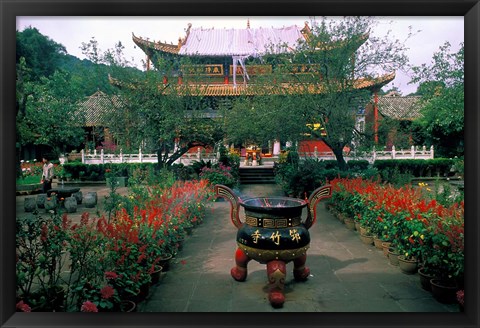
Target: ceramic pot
{"type": "Point", "coordinates": [144, 290]}
{"type": "Point", "coordinates": [407, 266]}
{"type": "Point", "coordinates": [165, 262]}
{"type": "Point", "coordinates": [128, 306]}
{"type": "Point", "coordinates": [341, 217]}
{"type": "Point", "coordinates": [363, 230]}
{"type": "Point", "coordinates": [357, 225]}
{"type": "Point", "coordinates": [377, 242]}
{"type": "Point", "coordinates": [385, 247]}
{"type": "Point", "coordinates": [425, 280]}
{"type": "Point", "coordinates": [393, 257]}
{"type": "Point", "coordinates": [350, 224]}
{"type": "Point", "coordinates": [155, 275]}
{"type": "Point", "coordinates": [134, 296]}
{"type": "Point", "coordinates": [444, 291]}
{"type": "Point", "coordinates": [366, 239]}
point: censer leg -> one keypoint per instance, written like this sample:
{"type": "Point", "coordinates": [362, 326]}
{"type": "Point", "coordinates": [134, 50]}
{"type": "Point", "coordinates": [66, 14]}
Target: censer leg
{"type": "Point", "coordinates": [276, 271]}
{"type": "Point", "coordinates": [300, 271]}
{"type": "Point", "coordinates": [239, 272]}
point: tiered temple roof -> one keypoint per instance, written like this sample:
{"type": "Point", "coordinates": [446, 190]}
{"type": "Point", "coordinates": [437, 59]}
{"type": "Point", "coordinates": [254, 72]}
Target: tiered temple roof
{"type": "Point", "coordinates": [222, 90]}
{"type": "Point", "coordinates": [240, 45]}
{"type": "Point", "coordinates": [237, 42]}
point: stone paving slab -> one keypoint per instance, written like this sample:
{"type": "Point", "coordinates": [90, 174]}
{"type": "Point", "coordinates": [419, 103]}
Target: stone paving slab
{"type": "Point", "coordinates": [346, 275]}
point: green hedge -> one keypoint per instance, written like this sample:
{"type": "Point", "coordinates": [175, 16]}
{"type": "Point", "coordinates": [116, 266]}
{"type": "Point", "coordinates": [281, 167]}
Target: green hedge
{"type": "Point", "coordinates": [437, 167]}
{"type": "Point", "coordinates": [96, 172]}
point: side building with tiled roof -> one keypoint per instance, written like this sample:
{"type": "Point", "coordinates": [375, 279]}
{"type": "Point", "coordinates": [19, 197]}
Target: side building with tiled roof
{"type": "Point", "coordinates": [97, 108]}
{"type": "Point", "coordinates": [400, 109]}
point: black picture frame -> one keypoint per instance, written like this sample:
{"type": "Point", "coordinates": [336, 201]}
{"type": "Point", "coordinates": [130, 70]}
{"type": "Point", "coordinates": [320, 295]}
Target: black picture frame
{"type": "Point", "coordinates": [470, 9]}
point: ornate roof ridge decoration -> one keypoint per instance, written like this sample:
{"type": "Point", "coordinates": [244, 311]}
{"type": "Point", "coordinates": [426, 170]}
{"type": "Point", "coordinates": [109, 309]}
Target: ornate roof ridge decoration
{"type": "Point", "coordinates": [147, 45]}
{"type": "Point", "coordinates": [306, 32]}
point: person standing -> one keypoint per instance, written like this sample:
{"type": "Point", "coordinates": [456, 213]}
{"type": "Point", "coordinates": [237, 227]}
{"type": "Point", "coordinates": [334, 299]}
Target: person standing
{"type": "Point", "coordinates": [47, 175]}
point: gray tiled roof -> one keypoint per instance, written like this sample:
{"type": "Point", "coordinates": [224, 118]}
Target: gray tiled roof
{"type": "Point", "coordinates": [96, 106]}
{"type": "Point", "coordinates": [399, 107]}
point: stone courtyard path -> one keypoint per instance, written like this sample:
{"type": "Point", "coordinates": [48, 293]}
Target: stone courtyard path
{"type": "Point", "coordinates": [346, 275]}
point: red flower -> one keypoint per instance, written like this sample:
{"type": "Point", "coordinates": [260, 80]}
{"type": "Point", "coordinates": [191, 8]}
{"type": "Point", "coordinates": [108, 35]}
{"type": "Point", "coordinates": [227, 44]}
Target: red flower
{"type": "Point", "coordinates": [107, 292]}
{"type": "Point", "coordinates": [23, 307]}
{"type": "Point", "coordinates": [44, 233]}
{"type": "Point", "coordinates": [461, 297]}
{"type": "Point", "coordinates": [88, 306]}
{"type": "Point", "coordinates": [111, 275]}
{"type": "Point", "coordinates": [85, 218]}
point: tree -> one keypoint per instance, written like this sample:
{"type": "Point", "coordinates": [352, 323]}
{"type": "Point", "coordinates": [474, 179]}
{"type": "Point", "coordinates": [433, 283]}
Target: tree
{"type": "Point", "coordinates": [37, 58]}
{"type": "Point", "coordinates": [51, 115]}
{"type": "Point", "coordinates": [442, 90]}
{"type": "Point", "coordinates": [256, 120]}
{"type": "Point", "coordinates": [156, 116]}
{"type": "Point", "coordinates": [340, 54]}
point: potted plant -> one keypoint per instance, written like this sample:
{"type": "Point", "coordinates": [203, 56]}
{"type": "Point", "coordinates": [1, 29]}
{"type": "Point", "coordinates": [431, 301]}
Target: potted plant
{"type": "Point", "coordinates": [40, 247]}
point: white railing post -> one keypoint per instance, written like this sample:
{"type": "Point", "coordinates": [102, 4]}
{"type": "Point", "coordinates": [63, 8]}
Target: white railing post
{"type": "Point", "coordinates": [374, 154]}
{"type": "Point", "coordinates": [83, 156]}
{"type": "Point", "coordinates": [140, 155]}
{"type": "Point", "coordinates": [393, 152]}
{"type": "Point", "coordinates": [424, 150]}
{"type": "Point", "coordinates": [276, 148]}
{"type": "Point", "coordinates": [431, 152]}
{"type": "Point", "coordinates": [413, 151]}
{"type": "Point", "coordinates": [95, 153]}
{"type": "Point", "coordinates": [198, 153]}
{"type": "Point", "coordinates": [121, 156]}
{"type": "Point", "coordinates": [101, 156]}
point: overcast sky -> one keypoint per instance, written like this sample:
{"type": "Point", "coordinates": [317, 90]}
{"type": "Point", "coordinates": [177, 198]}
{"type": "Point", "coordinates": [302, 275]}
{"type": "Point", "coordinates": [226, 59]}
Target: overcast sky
{"type": "Point", "coordinates": [72, 31]}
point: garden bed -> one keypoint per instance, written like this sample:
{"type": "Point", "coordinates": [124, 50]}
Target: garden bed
{"type": "Point", "coordinates": [28, 189]}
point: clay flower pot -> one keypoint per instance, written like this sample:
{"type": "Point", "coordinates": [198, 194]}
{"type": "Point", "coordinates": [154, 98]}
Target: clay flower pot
{"type": "Point", "coordinates": [408, 266]}
{"type": "Point", "coordinates": [350, 224]}
{"type": "Point", "coordinates": [444, 291]}
{"type": "Point", "coordinates": [366, 239]}
{"type": "Point", "coordinates": [393, 256]}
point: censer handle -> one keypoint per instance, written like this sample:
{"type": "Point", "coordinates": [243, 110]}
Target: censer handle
{"type": "Point", "coordinates": [228, 194]}
{"type": "Point", "coordinates": [316, 196]}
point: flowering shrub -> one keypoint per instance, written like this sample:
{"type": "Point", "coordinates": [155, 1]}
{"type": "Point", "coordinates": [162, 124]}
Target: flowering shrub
{"type": "Point", "coordinates": [419, 227]}
{"type": "Point", "coordinates": [108, 260]}
{"type": "Point", "coordinates": [23, 307]}
{"type": "Point", "coordinates": [88, 306]}
{"type": "Point", "coordinates": [33, 168]}
{"type": "Point", "coordinates": [461, 297]}
{"type": "Point", "coordinates": [220, 174]}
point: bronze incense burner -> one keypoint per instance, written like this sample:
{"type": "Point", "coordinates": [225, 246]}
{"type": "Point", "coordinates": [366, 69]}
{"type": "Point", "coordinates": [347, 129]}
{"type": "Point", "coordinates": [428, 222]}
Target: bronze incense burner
{"type": "Point", "coordinates": [274, 234]}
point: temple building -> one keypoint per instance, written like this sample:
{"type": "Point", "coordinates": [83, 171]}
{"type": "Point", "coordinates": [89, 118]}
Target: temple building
{"type": "Point", "coordinates": [226, 63]}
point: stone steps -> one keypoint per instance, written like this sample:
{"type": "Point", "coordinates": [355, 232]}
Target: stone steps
{"type": "Point", "coordinates": [257, 175]}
